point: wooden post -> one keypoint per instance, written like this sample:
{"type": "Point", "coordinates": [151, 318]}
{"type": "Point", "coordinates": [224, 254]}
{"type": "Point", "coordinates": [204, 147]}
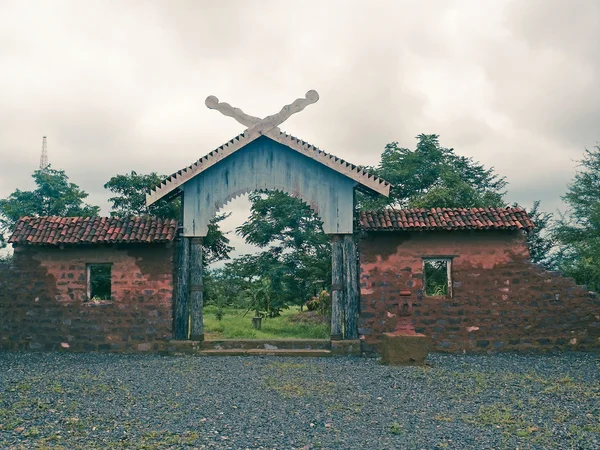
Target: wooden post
{"type": "Point", "coordinates": [337, 287]}
{"type": "Point", "coordinates": [181, 313]}
{"type": "Point", "coordinates": [196, 290]}
{"type": "Point", "coordinates": [350, 288]}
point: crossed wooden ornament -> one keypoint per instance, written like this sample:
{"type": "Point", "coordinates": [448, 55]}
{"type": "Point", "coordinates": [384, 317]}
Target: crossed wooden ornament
{"type": "Point", "coordinates": [256, 124]}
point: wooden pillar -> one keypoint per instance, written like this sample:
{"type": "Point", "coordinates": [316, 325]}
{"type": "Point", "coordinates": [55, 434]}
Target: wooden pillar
{"type": "Point", "coordinates": [350, 288]}
{"type": "Point", "coordinates": [181, 313]}
{"type": "Point", "coordinates": [337, 287]}
{"type": "Point", "coordinates": [196, 290]}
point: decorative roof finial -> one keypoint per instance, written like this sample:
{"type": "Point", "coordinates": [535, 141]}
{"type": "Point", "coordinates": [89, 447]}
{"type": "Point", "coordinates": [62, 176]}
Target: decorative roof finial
{"type": "Point", "coordinates": [256, 124]}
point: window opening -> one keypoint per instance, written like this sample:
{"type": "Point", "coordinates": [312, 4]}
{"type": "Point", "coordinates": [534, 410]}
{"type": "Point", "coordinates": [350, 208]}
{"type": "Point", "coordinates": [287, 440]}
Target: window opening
{"type": "Point", "coordinates": [438, 280]}
{"type": "Point", "coordinates": [99, 281]}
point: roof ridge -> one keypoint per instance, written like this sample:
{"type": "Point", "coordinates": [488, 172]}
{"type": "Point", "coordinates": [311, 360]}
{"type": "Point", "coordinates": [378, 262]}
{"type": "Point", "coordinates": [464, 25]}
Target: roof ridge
{"type": "Point", "coordinates": [345, 168]}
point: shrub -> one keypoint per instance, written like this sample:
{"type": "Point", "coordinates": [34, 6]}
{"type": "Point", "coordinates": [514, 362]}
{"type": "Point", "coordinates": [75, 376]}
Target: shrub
{"type": "Point", "coordinates": [322, 303]}
{"type": "Point", "coordinates": [313, 304]}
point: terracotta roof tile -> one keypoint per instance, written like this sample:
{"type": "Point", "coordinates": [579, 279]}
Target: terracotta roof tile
{"type": "Point", "coordinates": [446, 219]}
{"type": "Point", "coordinates": [92, 230]}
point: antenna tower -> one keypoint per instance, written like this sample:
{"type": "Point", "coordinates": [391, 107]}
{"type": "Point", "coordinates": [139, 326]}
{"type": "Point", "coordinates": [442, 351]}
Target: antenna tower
{"type": "Point", "coordinates": [44, 156]}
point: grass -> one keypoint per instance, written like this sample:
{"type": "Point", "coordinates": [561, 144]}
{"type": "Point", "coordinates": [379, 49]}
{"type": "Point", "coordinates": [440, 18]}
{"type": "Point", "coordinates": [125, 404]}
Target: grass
{"type": "Point", "coordinates": [511, 422]}
{"type": "Point", "coordinates": [518, 390]}
{"type": "Point", "coordinates": [287, 326]}
{"type": "Point", "coordinates": [396, 428]}
{"type": "Point", "coordinates": [298, 380]}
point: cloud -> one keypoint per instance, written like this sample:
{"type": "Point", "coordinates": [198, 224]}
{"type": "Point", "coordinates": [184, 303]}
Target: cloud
{"type": "Point", "coordinates": [120, 86]}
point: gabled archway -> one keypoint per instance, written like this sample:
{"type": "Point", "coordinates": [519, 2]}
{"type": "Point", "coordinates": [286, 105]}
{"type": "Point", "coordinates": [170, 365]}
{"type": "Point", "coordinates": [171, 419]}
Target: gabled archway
{"type": "Point", "coordinates": [265, 158]}
{"type": "Point", "coordinates": [268, 165]}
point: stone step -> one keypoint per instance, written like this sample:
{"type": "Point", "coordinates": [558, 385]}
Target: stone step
{"type": "Point", "coordinates": [264, 352]}
{"type": "Point", "coordinates": [266, 344]}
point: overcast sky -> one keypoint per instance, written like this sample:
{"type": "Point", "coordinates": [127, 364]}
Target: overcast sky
{"type": "Point", "coordinates": [120, 86]}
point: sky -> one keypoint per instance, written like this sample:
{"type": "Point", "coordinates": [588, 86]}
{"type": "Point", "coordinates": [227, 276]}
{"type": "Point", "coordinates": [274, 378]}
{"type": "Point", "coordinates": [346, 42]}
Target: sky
{"type": "Point", "coordinates": [120, 85]}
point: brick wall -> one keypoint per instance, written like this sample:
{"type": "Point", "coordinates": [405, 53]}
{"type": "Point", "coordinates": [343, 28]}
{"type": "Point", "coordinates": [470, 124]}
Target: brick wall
{"type": "Point", "coordinates": [501, 301]}
{"type": "Point", "coordinates": [43, 302]}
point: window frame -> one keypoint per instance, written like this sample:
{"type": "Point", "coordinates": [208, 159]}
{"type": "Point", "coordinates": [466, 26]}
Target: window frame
{"type": "Point", "coordinates": [448, 260]}
{"type": "Point", "coordinates": [88, 270]}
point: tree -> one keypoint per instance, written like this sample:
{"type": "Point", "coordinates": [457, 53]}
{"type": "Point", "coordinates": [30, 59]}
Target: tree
{"type": "Point", "coordinates": [540, 240]}
{"type": "Point", "coordinates": [216, 245]}
{"type": "Point", "coordinates": [276, 217]}
{"type": "Point", "coordinates": [54, 196]}
{"type": "Point", "coordinates": [432, 176]}
{"type": "Point", "coordinates": [260, 293]}
{"type": "Point", "coordinates": [578, 231]}
{"type": "Point", "coordinates": [291, 278]}
{"type": "Point", "coordinates": [130, 200]}
{"type": "Point", "coordinates": [221, 289]}
{"type": "Point", "coordinates": [297, 253]}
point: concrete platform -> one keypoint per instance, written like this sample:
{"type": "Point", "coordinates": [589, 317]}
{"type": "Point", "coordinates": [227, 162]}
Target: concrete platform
{"type": "Point", "coordinates": [263, 352]}
{"type": "Point", "coordinates": [281, 347]}
{"type": "Point", "coordinates": [404, 349]}
{"type": "Point", "coordinates": [267, 344]}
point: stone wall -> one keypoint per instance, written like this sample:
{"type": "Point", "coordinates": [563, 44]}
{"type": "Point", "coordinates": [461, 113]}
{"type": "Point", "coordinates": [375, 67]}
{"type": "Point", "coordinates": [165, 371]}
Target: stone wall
{"type": "Point", "coordinates": [500, 300]}
{"type": "Point", "coordinates": [44, 305]}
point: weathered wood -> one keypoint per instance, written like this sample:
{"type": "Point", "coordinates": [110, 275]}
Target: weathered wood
{"type": "Point", "coordinates": [181, 312]}
{"type": "Point", "coordinates": [350, 288]}
{"type": "Point", "coordinates": [269, 122]}
{"type": "Point", "coordinates": [337, 287]}
{"type": "Point", "coordinates": [357, 173]}
{"type": "Point", "coordinates": [196, 290]}
{"type": "Point", "coordinates": [226, 109]}
{"type": "Point", "coordinates": [265, 164]}
{"type": "Point", "coordinates": [266, 127]}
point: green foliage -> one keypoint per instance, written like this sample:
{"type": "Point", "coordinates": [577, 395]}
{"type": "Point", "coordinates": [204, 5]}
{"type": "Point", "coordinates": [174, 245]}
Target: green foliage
{"type": "Point", "coordinates": [130, 200]}
{"type": "Point", "coordinates": [578, 231]}
{"type": "Point", "coordinates": [100, 281]}
{"type": "Point", "coordinates": [296, 255]}
{"type": "Point", "coordinates": [432, 176]}
{"type": "Point", "coordinates": [54, 195]}
{"type": "Point", "coordinates": [256, 281]}
{"type": "Point", "coordinates": [235, 325]}
{"type": "Point", "coordinates": [259, 294]}
{"type": "Point", "coordinates": [320, 303]}
{"type": "Point", "coordinates": [216, 244]}
{"type": "Point", "coordinates": [312, 304]}
{"type": "Point", "coordinates": [276, 217]}
{"type": "Point", "coordinates": [221, 289]}
{"type": "Point", "coordinates": [396, 428]}
{"type": "Point", "coordinates": [436, 277]}
{"type": "Point", "coordinates": [540, 240]}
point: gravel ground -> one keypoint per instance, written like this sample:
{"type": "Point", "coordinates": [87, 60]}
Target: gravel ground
{"type": "Point", "coordinates": [92, 401]}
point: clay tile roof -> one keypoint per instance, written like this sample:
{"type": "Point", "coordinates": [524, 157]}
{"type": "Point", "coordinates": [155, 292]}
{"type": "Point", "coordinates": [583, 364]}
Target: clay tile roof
{"type": "Point", "coordinates": [92, 230]}
{"type": "Point", "coordinates": [446, 219]}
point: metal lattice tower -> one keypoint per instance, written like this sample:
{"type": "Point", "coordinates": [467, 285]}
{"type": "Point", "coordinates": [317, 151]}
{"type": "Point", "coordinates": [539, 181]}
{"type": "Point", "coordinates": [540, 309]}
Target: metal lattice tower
{"type": "Point", "coordinates": [44, 156]}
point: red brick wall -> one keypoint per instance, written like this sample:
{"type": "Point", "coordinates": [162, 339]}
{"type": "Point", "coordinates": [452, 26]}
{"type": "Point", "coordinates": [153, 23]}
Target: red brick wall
{"type": "Point", "coordinates": [43, 299]}
{"type": "Point", "coordinates": [501, 301]}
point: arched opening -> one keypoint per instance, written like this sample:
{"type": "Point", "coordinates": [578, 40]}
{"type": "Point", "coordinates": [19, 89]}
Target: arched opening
{"type": "Point", "coordinates": [324, 182]}
{"type": "Point", "coordinates": [277, 282]}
